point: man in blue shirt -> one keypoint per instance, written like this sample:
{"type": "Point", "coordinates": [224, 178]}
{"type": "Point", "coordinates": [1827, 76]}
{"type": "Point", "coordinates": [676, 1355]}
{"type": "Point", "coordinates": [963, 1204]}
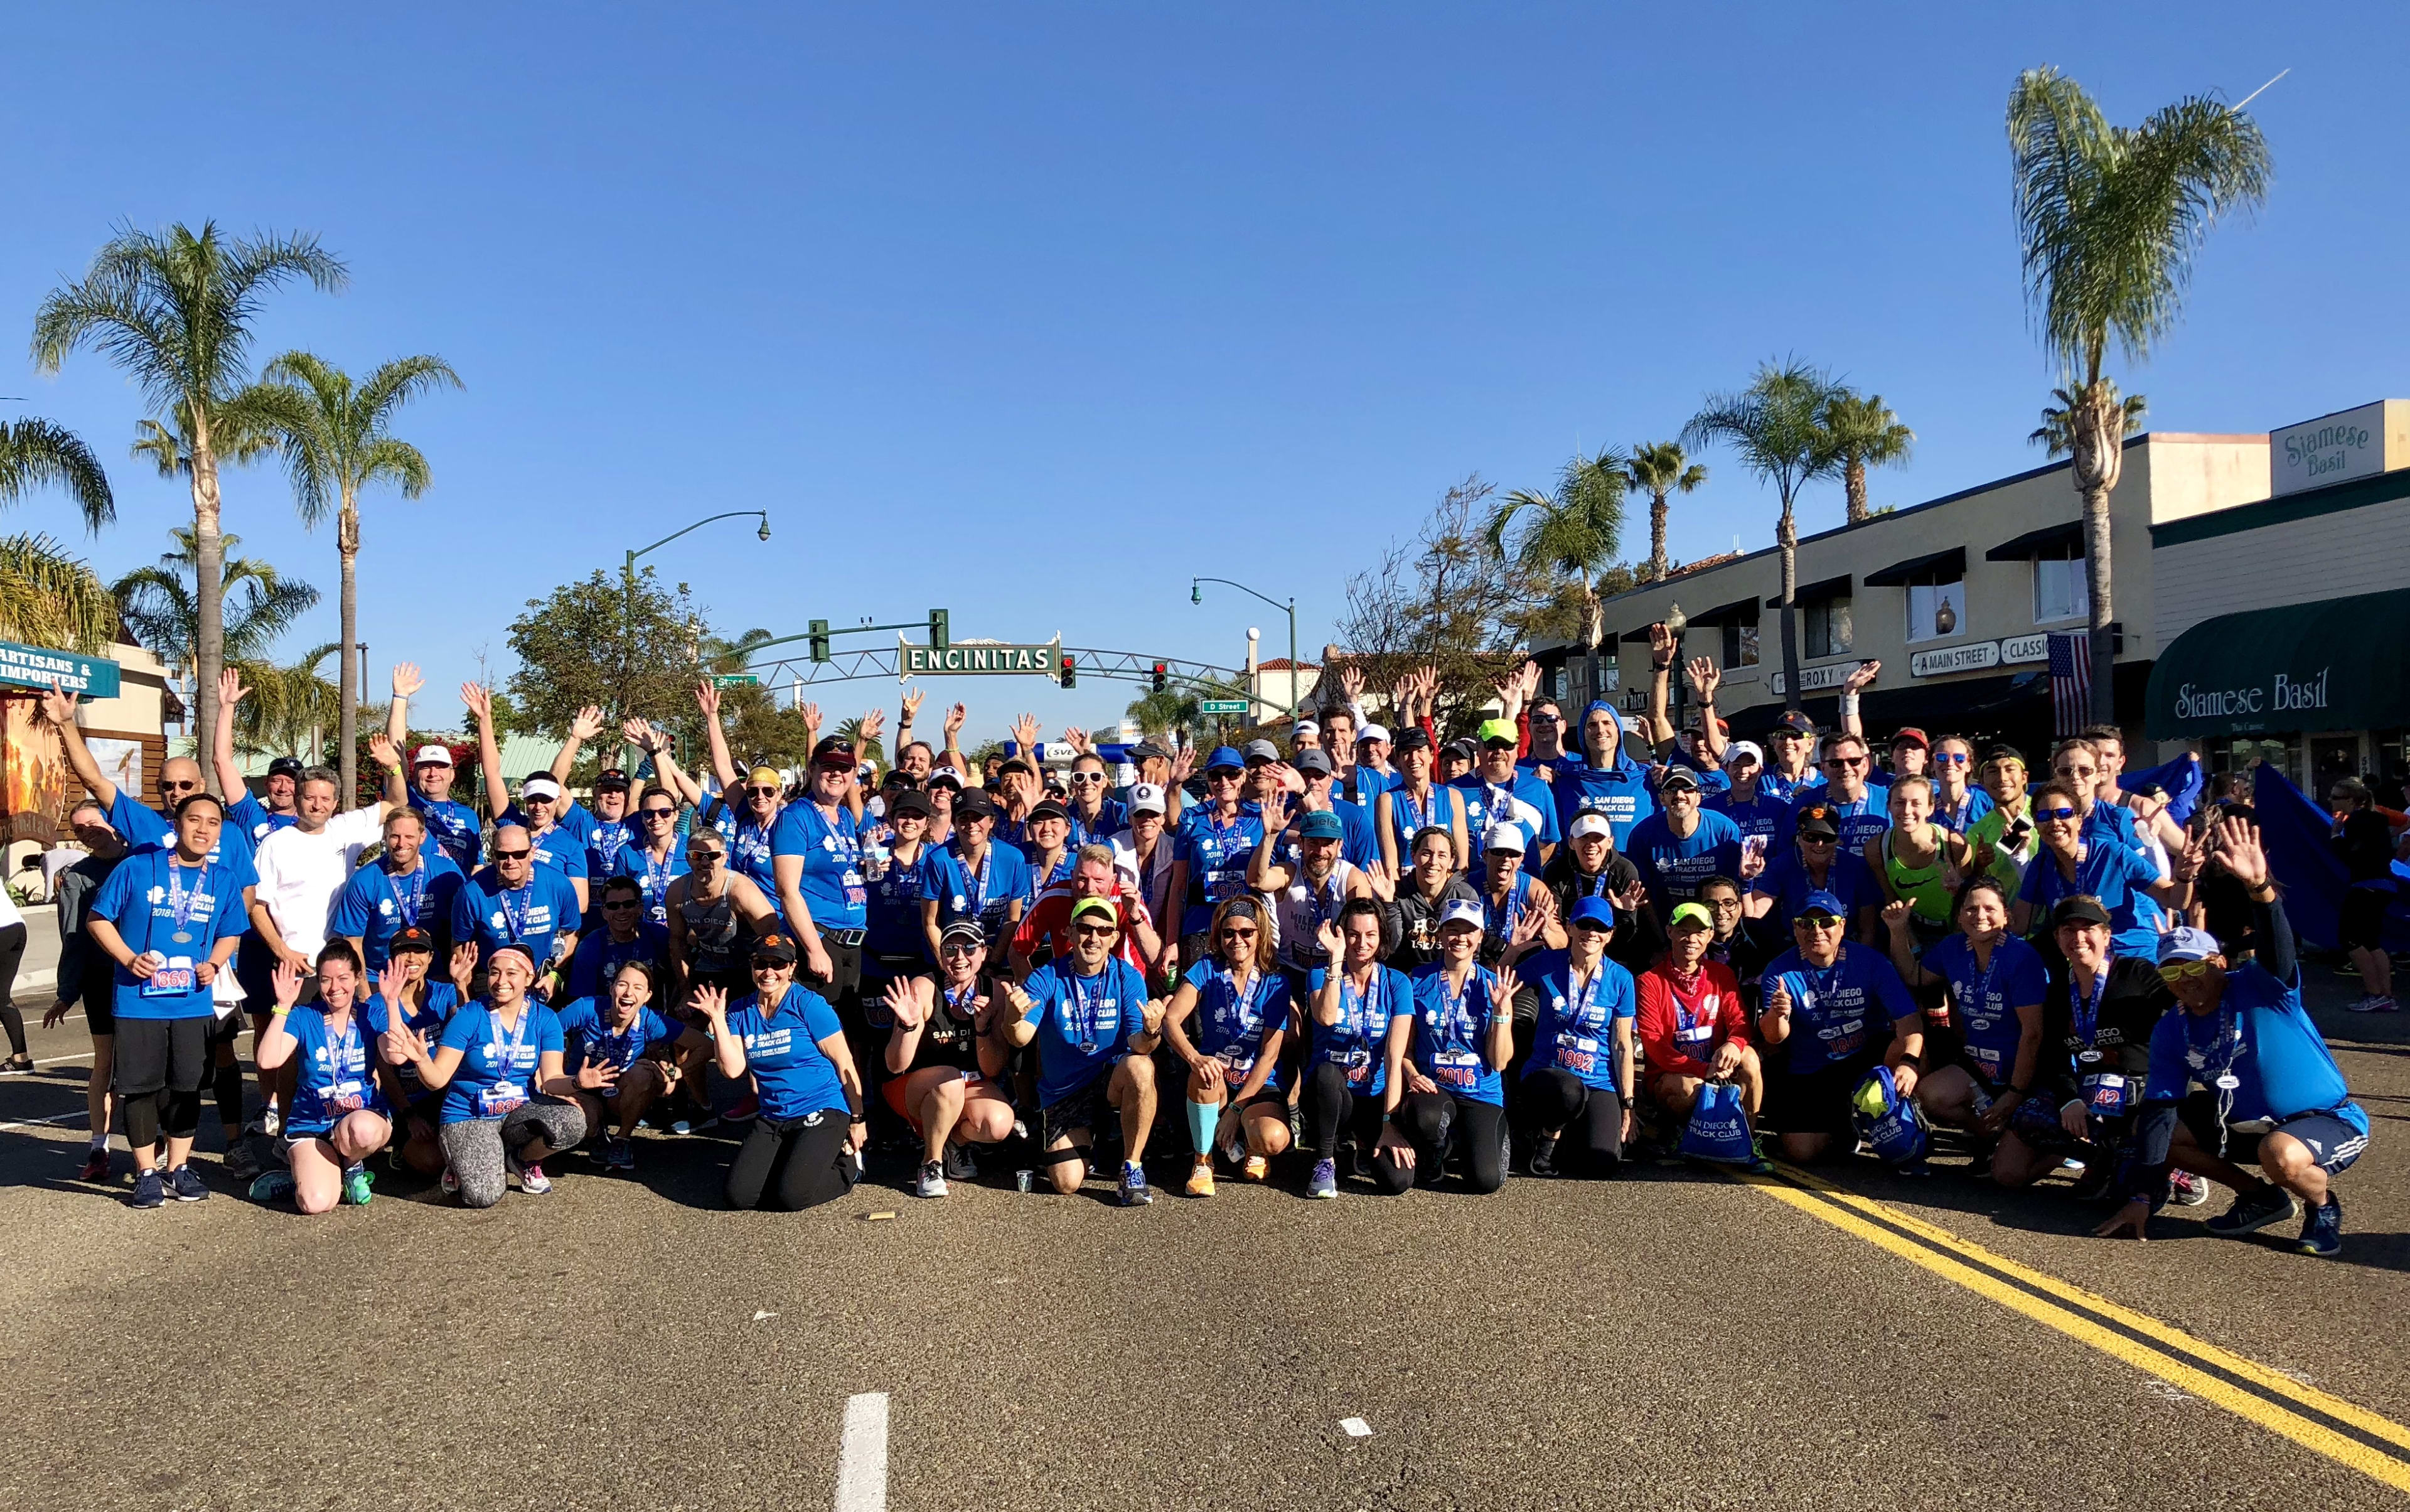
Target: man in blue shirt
{"type": "Point", "coordinates": [1495, 790]}
{"type": "Point", "coordinates": [1843, 1011]}
{"type": "Point", "coordinates": [517, 902]}
{"type": "Point", "coordinates": [1096, 1030]}
{"type": "Point", "coordinates": [1859, 811]}
{"type": "Point", "coordinates": [410, 885]}
{"type": "Point", "coordinates": [1683, 845]}
{"type": "Point", "coordinates": [1603, 780]}
{"type": "Point", "coordinates": [1750, 802]}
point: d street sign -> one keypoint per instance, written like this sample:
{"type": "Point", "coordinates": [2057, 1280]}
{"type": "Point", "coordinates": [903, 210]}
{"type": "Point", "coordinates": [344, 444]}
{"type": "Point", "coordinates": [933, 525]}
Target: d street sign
{"type": "Point", "coordinates": [735, 680]}
{"type": "Point", "coordinates": [1222, 705]}
{"type": "Point", "coordinates": [976, 660]}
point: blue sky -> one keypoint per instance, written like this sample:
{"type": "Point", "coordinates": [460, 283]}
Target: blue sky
{"type": "Point", "coordinates": [1015, 309]}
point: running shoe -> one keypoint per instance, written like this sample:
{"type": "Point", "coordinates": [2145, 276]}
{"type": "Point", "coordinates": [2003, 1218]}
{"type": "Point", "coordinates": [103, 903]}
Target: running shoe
{"type": "Point", "coordinates": [2187, 1190]}
{"type": "Point", "coordinates": [618, 1155]}
{"type": "Point", "coordinates": [272, 1123]}
{"type": "Point", "coordinates": [1200, 1179]}
{"type": "Point", "coordinates": [272, 1187]}
{"type": "Point", "coordinates": [149, 1190]}
{"type": "Point", "coordinates": [933, 1179]}
{"type": "Point", "coordinates": [17, 1066]}
{"type": "Point", "coordinates": [2371, 1003]}
{"type": "Point", "coordinates": [680, 1126]}
{"type": "Point", "coordinates": [1256, 1167]}
{"type": "Point", "coordinates": [2092, 1183]}
{"type": "Point", "coordinates": [1758, 1164]}
{"type": "Point", "coordinates": [959, 1162]}
{"type": "Point", "coordinates": [1135, 1191]}
{"type": "Point", "coordinates": [450, 1184]}
{"type": "Point", "coordinates": [184, 1185]}
{"type": "Point", "coordinates": [1543, 1155]}
{"type": "Point", "coordinates": [241, 1161]}
{"type": "Point", "coordinates": [1326, 1180]}
{"type": "Point", "coordinates": [532, 1180]}
{"type": "Point", "coordinates": [2253, 1211]}
{"type": "Point", "coordinates": [2322, 1231]}
{"type": "Point", "coordinates": [357, 1181]}
{"type": "Point", "coordinates": [96, 1164]}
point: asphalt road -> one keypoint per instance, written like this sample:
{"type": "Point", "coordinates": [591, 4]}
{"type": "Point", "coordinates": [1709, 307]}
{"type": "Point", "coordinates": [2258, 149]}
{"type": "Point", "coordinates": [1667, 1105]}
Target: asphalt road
{"type": "Point", "coordinates": [1672, 1338]}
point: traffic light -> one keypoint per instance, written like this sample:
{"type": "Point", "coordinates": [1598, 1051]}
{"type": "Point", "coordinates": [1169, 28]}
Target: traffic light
{"type": "Point", "coordinates": [941, 631]}
{"type": "Point", "coordinates": [820, 639]}
{"type": "Point", "coordinates": [1159, 678]}
{"type": "Point", "coordinates": [1070, 672]}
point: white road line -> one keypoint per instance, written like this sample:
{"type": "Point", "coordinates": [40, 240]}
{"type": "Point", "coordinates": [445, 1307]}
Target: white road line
{"type": "Point", "coordinates": [1356, 1426]}
{"type": "Point", "coordinates": [861, 1463]}
{"type": "Point", "coordinates": [54, 1118]}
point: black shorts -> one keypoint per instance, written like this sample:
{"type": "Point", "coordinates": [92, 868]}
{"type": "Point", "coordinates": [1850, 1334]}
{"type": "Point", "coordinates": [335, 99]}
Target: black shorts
{"type": "Point", "coordinates": [100, 1005]}
{"type": "Point", "coordinates": [1819, 1101]}
{"type": "Point", "coordinates": [2332, 1143]}
{"type": "Point", "coordinates": [1087, 1109]}
{"type": "Point", "coordinates": [163, 1054]}
{"type": "Point", "coordinates": [2360, 924]}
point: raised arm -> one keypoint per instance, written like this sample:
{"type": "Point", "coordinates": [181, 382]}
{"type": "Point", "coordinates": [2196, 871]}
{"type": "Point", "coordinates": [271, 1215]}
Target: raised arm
{"type": "Point", "coordinates": [585, 727]}
{"type": "Point", "coordinates": [1661, 678]}
{"type": "Point", "coordinates": [954, 717]}
{"type": "Point", "coordinates": [706, 698]}
{"type": "Point", "coordinates": [230, 692]}
{"type": "Point", "coordinates": [480, 704]}
{"type": "Point", "coordinates": [665, 767]}
{"type": "Point", "coordinates": [1706, 678]}
{"type": "Point", "coordinates": [1859, 676]}
{"type": "Point", "coordinates": [406, 682]}
{"type": "Point", "coordinates": [59, 707]}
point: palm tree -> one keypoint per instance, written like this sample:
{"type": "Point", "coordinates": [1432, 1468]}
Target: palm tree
{"type": "Point", "coordinates": [36, 452]}
{"type": "Point", "coordinates": [286, 709]}
{"type": "Point", "coordinates": [337, 441]}
{"type": "Point", "coordinates": [2108, 219]}
{"type": "Point", "coordinates": [1575, 529]}
{"type": "Point", "coordinates": [1866, 433]}
{"type": "Point", "coordinates": [1776, 425]}
{"type": "Point", "coordinates": [1660, 468]}
{"type": "Point", "coordinates": [174, 311]}
{"type": "Point", "coordinates": [2056, 436]}
{"type": "Point", "coordinates": [48, 598]}
{"type": "Point", "coordinates": [1160, 714]}
{"type": "Point", "coordinates": [849, 731]}
{"type": "Point", "coordinates": [161, 606]}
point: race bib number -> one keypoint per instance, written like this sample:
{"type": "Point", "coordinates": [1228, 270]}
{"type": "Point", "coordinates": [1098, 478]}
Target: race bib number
{"type": "Point", "coordinates": [2105, 1095]}
{"type": "Point", "coordinates": [496, 1098]}
{"type": "Point", "coordinates": [1456, 1067]}
{"type": "Point", "coordinates": [1236, 1063]}
{"type": "Point", "coordinates": [177, 979]}
{"type": "Point", "coordinates": [345, 1096]}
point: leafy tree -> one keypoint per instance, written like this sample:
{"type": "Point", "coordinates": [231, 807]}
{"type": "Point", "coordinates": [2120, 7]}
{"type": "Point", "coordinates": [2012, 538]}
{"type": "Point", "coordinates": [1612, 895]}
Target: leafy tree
{"type": "Point", "coordinates": [174, 309]}
{"type": "Point", "coordinates": [1661, 469]}
{"type": "Point", "coordinates": [2108, 219]}
{"type": "Point", "coordinates": [1776, 427]}
{"type": "Point", "coordinates": [34, 453]}
{"type": "Point", "coordinates": [48, 598]}
{"type": "Point", "coordinates": [337, 439]}
{"type": "Point", "coordinates": [1573, 531]}
{"type": "Point", "coordinates": [1866, 433]}
{"type": "Point", "coordinates": [161, 606]}
{"type": "Point", "coordinates": [580, 647]}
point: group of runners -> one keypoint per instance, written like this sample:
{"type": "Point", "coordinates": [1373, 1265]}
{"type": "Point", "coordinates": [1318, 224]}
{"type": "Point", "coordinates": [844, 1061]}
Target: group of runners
{"type": "Point", "coordinates": [1368, 959]}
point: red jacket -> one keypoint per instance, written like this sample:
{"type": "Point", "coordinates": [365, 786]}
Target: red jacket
{"type": "Point", "coordinates": [1045, 930]}
{"type": "Point", "coordinates": [1671, 1020]}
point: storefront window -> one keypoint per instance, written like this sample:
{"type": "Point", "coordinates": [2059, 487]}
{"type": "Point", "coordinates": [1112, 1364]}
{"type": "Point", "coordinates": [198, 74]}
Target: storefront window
{"type": "Point", "coordinates": [2243, 752]}
{"type": "Point", "coordinates": [2060, 589]}
{"type": "Point", "coordinates": [1740, 645]}
{"type": "Point", "coordinates": [1826, 627]}
{"type": "Point", "coordinates": [1935, 610]}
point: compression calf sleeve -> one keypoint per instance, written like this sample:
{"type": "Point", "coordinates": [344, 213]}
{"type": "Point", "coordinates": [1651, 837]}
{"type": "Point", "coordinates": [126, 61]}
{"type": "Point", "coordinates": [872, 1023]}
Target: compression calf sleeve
{"type": "Point", "coordinates": [1202, 1116]}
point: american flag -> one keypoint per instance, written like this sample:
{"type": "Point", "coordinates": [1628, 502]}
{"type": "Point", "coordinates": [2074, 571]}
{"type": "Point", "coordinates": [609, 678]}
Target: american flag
{"type": "Point", "coordinates": [2071, 680]}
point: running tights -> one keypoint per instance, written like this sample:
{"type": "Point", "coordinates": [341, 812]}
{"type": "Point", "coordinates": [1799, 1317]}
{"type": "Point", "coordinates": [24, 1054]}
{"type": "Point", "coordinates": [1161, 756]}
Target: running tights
{"type": "Point", "coordinates": [1590, 1119]}
{"type": "Point", "coordinates": [1329, 1107]}
{"type": "Point", "coordinates": [1433, 1120]}
{"type": "Point", "coordinates": [150, 1115]}
{"type": "Point", "coordinates": [792, 1164]}
{"type": "Point", "coordinates": [474, 1147]}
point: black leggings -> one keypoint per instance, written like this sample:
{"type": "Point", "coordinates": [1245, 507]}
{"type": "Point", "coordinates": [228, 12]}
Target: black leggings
{"type": "Point", "coordinates": [160, 1065]}
{"type": "Point", "coordinates": [1590, 1118]}
{"type": "Point", "coordinates": [12, 950]}
{"type": "Point", "coordinates": [1430, 1120]}
{"type": "Point", "coordinates": [792, 1164]}
{"type": "Point", "coordinates": [1330, 1107]}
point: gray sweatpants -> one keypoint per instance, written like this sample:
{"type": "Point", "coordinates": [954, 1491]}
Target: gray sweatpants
{"type": "Point", "coordinates": [473, 1147]}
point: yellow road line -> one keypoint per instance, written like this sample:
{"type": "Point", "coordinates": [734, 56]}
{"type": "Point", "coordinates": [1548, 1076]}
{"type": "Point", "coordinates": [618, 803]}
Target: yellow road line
{"type": "Point", "coordinates": [2161, 1352]}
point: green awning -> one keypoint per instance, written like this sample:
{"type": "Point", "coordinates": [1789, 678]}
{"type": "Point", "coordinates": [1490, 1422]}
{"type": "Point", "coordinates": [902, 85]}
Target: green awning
{"type": "Point", "coordinates": [2334, 664]}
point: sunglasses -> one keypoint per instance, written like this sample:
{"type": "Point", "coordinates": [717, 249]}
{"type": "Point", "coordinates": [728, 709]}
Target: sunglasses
{"type": "Point", "coordinates": [1820, 921]}
{"type": "Point", "coordinates": [700, 854]}
{"type": "Point", "coordinates": [1819, 839]}
{"type": "Point", "coordinates": [179, 786]}
{"type": "Point", "coordinates": [1543, 718]}
{"type": "Point", "coordinates": [762, 793]}
{"type": "Point", "coordinates": [764, 963]}
{"type": "Point", "coordinates": [1087, 777]}
{"type": "Point", "coordinates": [512, 855]}
{"type": "Point", "coordinates": [1224, 776]}
{"type": "Point", "coordinates": [2184, 970]}
{"type": "Point", "coordinates": [2048, 814]}
{"type": "Point", "coordinates": [1845, 761]}
{"type": "Point", "coordinates": [658, 813]}
{"type": "Point", "coordinates": [1237, 933]}
{"type": "Point", "coordinates": [1950, 758]}
{"type": "Point", "coordinates": [1092, 930]}
{"type": "Point", "coordinates": [623, 903]}
{"type": "Point", "coordinates": [959, 946]}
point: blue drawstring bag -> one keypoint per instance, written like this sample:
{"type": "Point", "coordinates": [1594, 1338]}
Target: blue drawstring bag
{"type": "Point", "coordinates": [1718, 1129]}
{"type": "Point", "coordinates": [1896, 1133]}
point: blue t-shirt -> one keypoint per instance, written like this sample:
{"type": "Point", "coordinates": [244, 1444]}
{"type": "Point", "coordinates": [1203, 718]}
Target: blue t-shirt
{"type": "Point", "coordinates": [1859, 819]}
{"type": "Point", "coordinates": [1217, 857]}
{"type": "Point", "coordinates": [334, 1073]}
{"type": "Point", "coordinates": [749, 845]}
{"type": "Point", "coordinates": [1483, 806]}
{"type": "Point", "coordinates": [589, 1039]}
{"type": "Point", "coordinates": [2260, 1035]}
{"type": "Point", "coordinates": [1842, 1013]}
{"type": "Point", "coordinates": [1451, 1033]}
{"type": "Point", "coordinates": [152, 899]}
{"type": "Point", "coordinates": [143, 825]}
{"type": "Point", "coordinates": [247, 813]}
{"type": "Point", "coordinates": [1059, 872]}
{"type": "Point", "coordinates": [1764, 816]}
{"type": "Point", "coordinates": [453, 826]}
{"type": "Point", "coordinates": [1113, 817]}
{"type": "Point", "coordinates": [1790, 790]}
{"type": "Point", "coordinates": [607, 840]}
{"type": "Point", "coordinates": [1984, 1002]}
{"type": "Point", "coordinates": [497, 1064]}
{"type": "Point", "coordinates": [1358, 843]}
{"type": "Point", "coordinates": [490, 914]}
{"type": "Point", "coordinates": [653, 877]}
{"type": "Point", "coordinates": [560, 849]}
{"type": "Point", "coordinates": [375, 903]}
{"type": "Point", "coordinates": [1499, 916]}
{"type": "Point", "coordinates": [1620, 791]}
{"type": "Point", "coordinates": [833, 887]}
{"type": "Point", "coordinates": [1438, 810]}
{"type": "Point", "coordinates": [598, 956]}
{"type": "Point", "coordinates": [1961, 816]}
{"type": "Point", "coordinates": [1359, 1044]}
{"type": "Point", "coordinates": [792, 1076]}
{"type": "Point", "coordinates": [982, 891]}
{"type": "Point", "coordinates": [1230, 1026]}
{"type": "Point", "coordinates": [2110, 872]}
{"type": "Point", "coordinates": [1084, 1024]}
{"type": "Point", "coordinates": [1674, 865]}
{"type": "Point", "coordinates": [892, 913]}
{"type": "Point", "coordinates": [1785, 880]}
{"type": "Point", "coordinates": [1576, 1028]}
{"type": "Point", "coordinates": [434, 1011]}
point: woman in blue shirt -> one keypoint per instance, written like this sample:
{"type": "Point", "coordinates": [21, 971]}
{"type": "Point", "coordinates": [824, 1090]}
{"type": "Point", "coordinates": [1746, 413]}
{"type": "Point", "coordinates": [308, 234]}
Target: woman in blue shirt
{"type": "Point", "coordinates": [805, 1147]}
{"type": "Point", "coordinates": [2070, 864]}
{"type": "Point", "coordinates": [1446, 1078]}
{"type": "Point", "coordinates": [499, 1066]}
{"type": "Point", "coordinates": [340, 1110]}
{"type": "Point", "coordinates": [408, 990]}
{"type": "Point", "coordinates": [1984, 1046]}
{"type": "Point", "coordinates": [1358, 1003]}
{"type": "Point", "coordinates": [1239, 1004]}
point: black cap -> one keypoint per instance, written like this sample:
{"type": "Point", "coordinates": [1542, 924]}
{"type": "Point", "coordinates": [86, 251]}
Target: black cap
{"type": "Point", "coordinates": [1464, 747]}
{"type": "Point", "coordinates": [611, 779]}
{"type": "Point", "coordinates": [286, 766]}
{"type": "Point", "coordinates": [1412, 737]}
{"type": "Point", "coordinates": [1678, 776]}
{"type": "Point", "coordinates": [910, 802]}
{"type": "Point", "coordinates": [2079, 909]}
{"type": "Point", "coordinates": [833, 751]}
{"type": "Point", "coordinates": [1795, 722]}
{"type": "Point", "coordinates": [898, 777]}
{"type": "Point", "coordinates": [777, 948]}
{"type": "Point", "coordinates": [1147, 750]}
{"type": "Point", "coordinates": [1817, 818]}
{"type": "Point", "coordinates": [974, 804]}
{"type": "Point", "coordinates": [409, 937]}
{"type": "Point", "coordinates": [1048, 809]}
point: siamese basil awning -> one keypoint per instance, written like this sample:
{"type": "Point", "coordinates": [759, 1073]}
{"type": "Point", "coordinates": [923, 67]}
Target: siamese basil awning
{"type": "Point", "coordinates": [2333, 664]}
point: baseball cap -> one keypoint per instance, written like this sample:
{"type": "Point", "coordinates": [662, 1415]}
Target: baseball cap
{"type": "Point", "coordinates": [1048, 809]}
{"type": "Point", "coordinates": [1508, 836]}
{"type": "Point", "coordinates": [431, 756]}
{"type": "Point", "coordinates": [1821, 902]}
{"type": "Point", "coordinates": [1147, 750]}
{"type": "Point", "coordinates": [2186, 943]}
{"type": "Point", "coordinates": [1463, 745]}
{"type": "Point", "coordinates": [1322, 824]}
{"type": "Point", "coordinates": [1739, 749]}
{"type": "Point", "coordinates": [1595, 910]}
{"type": "Point", "coordinates": [540, 786]}
{"type": "Point", "coordinates": [409, 937]}
{"type": "Point", "coordinates": [964, 928]}
{"type": "Point", "coordinates": [611, 779]}
{"type": "Point", "coordinates": [1315, 761]}
{"type": "Point", "coordinates": [910, 802]}
{"type": "Point", "coordinates": [1373, 732]}
{"type": "Point", "coordinates": [1262, 750]}
{"type": "Point", "coordinates": [1678, 776]}
{"type": "Point", "coordinates": [1795, 722]}
{"type": "Point", "coordinates": [1226, 757]}
{"type": "Point", "coordinates": [1307, 727]}
{"type": "Point", "coordinates": [1816, 818]}
{"type": "Point", "coordinates": [2079, 909]}
{"type": "Point", "coordinates": [1695, 916]}
{"type": "Point", "coordinates": [1146, 798]}
{"type": "Point", "coordinates": [777, 948]}
{"type": "Point", "coordinates": [833, 751]}
{"type": "Point", "coordinates": [1588, 824]}
{"type": "Point", "coordinates": [1096, 905]}
{"type": "Point", "coordinates": [1910, 734]}
{"type": "Point", "coordinates": [1414, 737]}
{"type": "Point", "coordinates": [285, 766]}
{"type": "Point", "coordinates": [947, 776]}
{"type": "Point", "coordinates": [1499, 729]}
{"type": "Point", "coordinates": [1461, 911]}
{"type": "Point", "coordinates": [974, 804]}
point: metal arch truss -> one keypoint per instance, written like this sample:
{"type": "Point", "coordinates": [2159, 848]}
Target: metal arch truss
{"type": "Point", "coordinates": [1124, 666]}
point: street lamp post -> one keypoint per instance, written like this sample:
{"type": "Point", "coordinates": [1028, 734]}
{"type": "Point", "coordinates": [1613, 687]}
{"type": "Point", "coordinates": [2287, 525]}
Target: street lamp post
{"type": "Point", "coordinates": [628, 647]}
{"type": "Point", "coordinates": [1197, 595]}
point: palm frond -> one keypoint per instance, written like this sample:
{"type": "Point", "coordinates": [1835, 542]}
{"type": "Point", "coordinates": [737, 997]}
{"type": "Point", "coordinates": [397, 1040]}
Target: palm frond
{"type": "Point", "coordinates": [36, 452]}
{"type": "Point", "coordinates": [50, 598]}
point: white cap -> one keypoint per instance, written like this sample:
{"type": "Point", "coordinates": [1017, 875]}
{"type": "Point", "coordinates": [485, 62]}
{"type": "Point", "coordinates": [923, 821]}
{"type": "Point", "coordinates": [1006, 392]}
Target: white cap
{"type": "Point", "coordinates": [1586, 825]}
{"type": "Point", "coordinates": [1146, 798]}
{"type": "Point", "coordinates": [1735, 750]}
{"type": "Point", "coordinates": [431, 756]}
{"type": "Point", "coordinates": [540, 786]}
{"type": "Point", "coordinates": [1506, 836]}
{"type": "Point", "coordinates": [1464, 911]}
{"type": "Point", "coordinates": [1307, 727]}
{"type": "Point", "coordinates": [1373, 732]}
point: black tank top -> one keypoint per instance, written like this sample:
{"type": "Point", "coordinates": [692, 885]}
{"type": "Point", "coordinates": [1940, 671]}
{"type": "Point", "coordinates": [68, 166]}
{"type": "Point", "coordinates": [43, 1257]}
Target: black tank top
{"type": "Point", "coordinates": [712, 929]}
{"type": "Point", "coordinates": [949, 1038]}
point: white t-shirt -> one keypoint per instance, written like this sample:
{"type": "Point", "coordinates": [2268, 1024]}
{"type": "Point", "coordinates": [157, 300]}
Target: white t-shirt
{"type": "Point", "coordinates": [300, 876]}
